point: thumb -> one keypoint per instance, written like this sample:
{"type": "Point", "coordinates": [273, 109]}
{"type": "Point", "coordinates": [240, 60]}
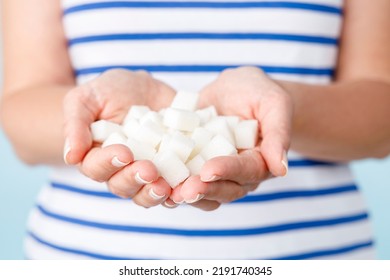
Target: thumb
{"type": "Point", "coordinates": [80, 110]}
{"type": "Point", "coordinates": [275, 125]}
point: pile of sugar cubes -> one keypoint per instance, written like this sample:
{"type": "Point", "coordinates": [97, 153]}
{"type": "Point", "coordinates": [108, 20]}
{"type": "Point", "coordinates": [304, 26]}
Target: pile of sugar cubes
{"type": "Point", "coordinates": [178, 139]}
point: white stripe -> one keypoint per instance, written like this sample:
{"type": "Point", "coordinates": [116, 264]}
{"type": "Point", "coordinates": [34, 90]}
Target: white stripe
{"type": "Point", "coordinates": [247, 52]}
{"type": "Point", "coordinates": [367, 253]}
{"type": "Point", "coordinates": [309, 178]}
{"type": "Point", "coordinates": [245, 215]}
{"type": "Point", "coordinates": [201, 20]}
{"type": "Point", "coordinates": [71, 176]}
{"type": "Point", "coordinates": [37, 251]}
{"type": "Point", "coordinates": [335, 3]}
{"type": "Point", "coordinates": [196, 81]}
{"type": "Point", "coordinates": [162, 246]}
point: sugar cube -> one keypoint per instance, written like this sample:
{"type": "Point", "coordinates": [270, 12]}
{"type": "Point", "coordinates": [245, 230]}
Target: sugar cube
{"type": "Point", "coordinates": [181, 119]}
{"type": "Point", "coordinates": [136, 112]}
{"type": "Point", "coordinates": [201, 137]}
{"type": "Point", "coordinates": [102, 129]}
{"type": "Point", "coordinates": [149, 132]}
{"type": "Point", "coordinates": [218, 146]}
{"type": "Point", "coordinates": [131, 127]}
{"type": "Point", "coordinates": [219, 125]}
{"type": "Point", "coordinates": [171, 168]}
{"type": "Point", "coordinates": [141, 151]}
{"type": "Point", "coordinates": [178, 143]}
{"type": "Point", "coordinates": [195, 165]}
{"type": "Point", "coordinates": [114, 138]}
{"type": "Point", "coordinates": [246, 134]}
{"type": "Point", "coordinates": [206, 114]}
{"type": "Point", "coordinates": [185, 100]}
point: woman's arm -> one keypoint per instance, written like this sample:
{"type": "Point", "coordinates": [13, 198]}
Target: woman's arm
{"type": "Point", "coordinates": [350, 119]}
{"type": "Point", "coordinates": [37, 75]}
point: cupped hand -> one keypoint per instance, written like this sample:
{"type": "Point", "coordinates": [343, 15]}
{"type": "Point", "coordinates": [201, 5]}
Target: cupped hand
{"type": "Point", "coordinates": [249, 93]}
{"type": "Point", "coordinates": [109, 97]}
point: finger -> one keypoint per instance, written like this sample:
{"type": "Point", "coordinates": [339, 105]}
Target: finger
{"type": "Point", "coordinates": [206, 205]}
{"type": "Point", "coordinates": [169, 203]}
{"type": "Point", "coordinates": [80, 109]}
{"type": "Point", "coordinates": [100, 164]}
{"type": "Point", "coordinates": [275, 120]}
{"type": "Point", "coordinates": [194, 190]}
{"type": "Point", "coordinates": [153, 194]}
{"type": "Point", "coordinates": [245, 168]}
{"type": "Point", "coordinates": [128, 181]}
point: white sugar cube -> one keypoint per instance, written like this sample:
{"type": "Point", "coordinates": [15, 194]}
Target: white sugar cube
{"type": "Point", "coordinates": [178, 143]}
{"type": "Point", "coordinates": [218, 146]}
{"type": "Point", "coordinates": [185, 100]}
{"type": "Point", "coordinates": [141, 151]}
{"type": "Point", "coordinates": [201, 137]}
{"type": "Point", "coordinates": [246, 134]}
{"type": "Point", "coordinates": [131, 127]}
{"type": "Point", "coordinates": [136, 112]}
{"type": "Point", "coordinates": [206, 114]}
{"type": "Point", "coordinates": [153, 116]}
{"type": "Point", "coordinates": [219, 125]}
{"type": "Point", "coordinates": [195, 165]}
{"type": "Point", "coordinates": [102, 129]}
{"type": "Point", "coordinates": [232, 121]}
{"type": "Point", "coordinates": [171, 168]}
{"type": "Point", "coordinates": [149, 132]}
{"type": "Point", "coordinates": [115, 138]}
{"type": "Point", "coordinates": [164, 144]}
{"type": "Point", "coordinates": [180, 119]}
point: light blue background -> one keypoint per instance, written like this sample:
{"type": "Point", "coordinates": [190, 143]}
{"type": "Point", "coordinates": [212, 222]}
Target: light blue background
{"type": "Point", "coordinates": [19, 185]}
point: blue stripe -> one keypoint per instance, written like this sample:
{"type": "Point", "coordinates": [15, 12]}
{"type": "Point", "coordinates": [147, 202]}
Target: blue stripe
{"type": "Point", "coordinates": [207, 5]}
{"type": "Point", "coordinates": [308, 163]}
{"type": "Point", "coordinates": [328, 252]}
{"type": "Point", "coordinates": [83, 191]}
{"type": "Point", "coordinates": [309, 255]}
{"type": "Point", "coordinates": [207, 68]}
{"type": "Point", "coordinates": [208, 36]}
{"type": "Point", "coordinates": [247, 199]}
{"type": "Point", "coordinates": [204, 232]}
{"type": "Point", "coordinates": [296, 194]}
{"type": "Point", "coordinates": [77, 251]}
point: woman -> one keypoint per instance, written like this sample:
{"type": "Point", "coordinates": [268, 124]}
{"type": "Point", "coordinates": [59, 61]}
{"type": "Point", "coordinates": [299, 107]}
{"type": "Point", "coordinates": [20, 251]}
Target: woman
{"type": "Point", "coordinates": [323, 90]}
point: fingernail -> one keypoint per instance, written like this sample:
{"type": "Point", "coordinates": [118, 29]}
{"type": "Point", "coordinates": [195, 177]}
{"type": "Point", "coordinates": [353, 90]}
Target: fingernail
{"type": "Point", "coordinates": [169, 205]}
{"type": "Point", "coordinates": [117, 163]}
{"type": "Point", "coordinates": [212, 178]}
{"type": "Point", "coordinates": [197, 198]}
{"type": "Point", "coordinates": [66, 150]}
{"type": "Point", "coordinates": [154, 195]}
{"type": "Point", "coordinates": [285, 163]}
{"type": "Point", "coordinates": [178, 202]}
{"type": "Point", "coordinates": [140, 180]}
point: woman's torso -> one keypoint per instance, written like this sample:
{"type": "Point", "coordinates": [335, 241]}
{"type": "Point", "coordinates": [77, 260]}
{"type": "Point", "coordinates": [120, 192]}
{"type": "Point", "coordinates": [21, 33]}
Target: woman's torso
{"type": "Point", "coordinates": [315, 212]}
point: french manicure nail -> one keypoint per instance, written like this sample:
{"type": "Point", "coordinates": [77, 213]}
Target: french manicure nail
{"type": "Point", "coordinates": [66, 150]}
{"type": "Point", "coordinates": [169, 205]}
{"type": "Point", "coordinates": [154, 195]}
{"type": "Point", "coordinates": [117, 163]}
{"type": "Point", "coordinates": [197, 198]}
{"type": "Point", "coordinates": [178, 202]}
{"type": "Point", "coordinates": [140, 180]}
{"type": "Point", "coordinates": [212, 178]}
{"type": "Point", "coordinates": [285, 163]}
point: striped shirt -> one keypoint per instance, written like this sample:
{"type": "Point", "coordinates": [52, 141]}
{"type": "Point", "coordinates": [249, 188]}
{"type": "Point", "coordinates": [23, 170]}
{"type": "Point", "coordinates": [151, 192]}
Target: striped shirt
{"type": "Point", "coordinates": [316, 211]}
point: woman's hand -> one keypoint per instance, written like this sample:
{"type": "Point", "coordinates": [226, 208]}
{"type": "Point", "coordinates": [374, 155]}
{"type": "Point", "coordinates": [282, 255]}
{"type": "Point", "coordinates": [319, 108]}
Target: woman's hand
{"type": "Point", "coordinates": [109, 97]}
{"type": "Point", "coordinates": [249, 93]}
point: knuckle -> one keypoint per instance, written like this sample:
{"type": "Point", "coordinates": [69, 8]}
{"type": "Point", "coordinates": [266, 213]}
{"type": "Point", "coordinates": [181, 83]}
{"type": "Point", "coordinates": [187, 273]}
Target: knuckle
{"type": "Point", "coordinates": [117, 191]}
{"type": "Point", "coordinates": [92, 173]}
